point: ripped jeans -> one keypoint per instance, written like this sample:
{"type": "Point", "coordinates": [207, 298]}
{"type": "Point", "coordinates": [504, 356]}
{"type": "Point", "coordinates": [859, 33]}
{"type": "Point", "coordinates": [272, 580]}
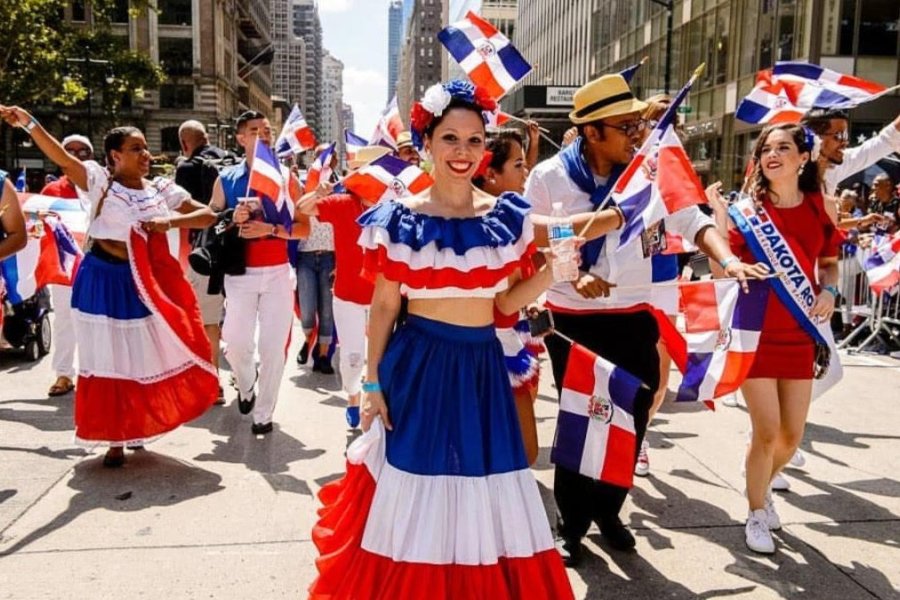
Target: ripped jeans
{"type": "Point", "coordinates": [350, 320]}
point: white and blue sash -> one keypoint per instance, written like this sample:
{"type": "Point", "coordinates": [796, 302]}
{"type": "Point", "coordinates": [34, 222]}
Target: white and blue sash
{"type": "Point", "coordinates": [793, 288]}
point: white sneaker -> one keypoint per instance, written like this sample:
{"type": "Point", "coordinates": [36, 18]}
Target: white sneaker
{"type": "Point", "coordinates": [730, 400]}
{"type": "Point", "coordinates": [757, 534]}
{"type": "Point", "coordinates": [772, 518]}
{"type": "Point", "coordinates": [642, 468]}
{"type": "Point", "coordinates": [798, 460]}
{"type": "Point", "coordinates": [780, 483]}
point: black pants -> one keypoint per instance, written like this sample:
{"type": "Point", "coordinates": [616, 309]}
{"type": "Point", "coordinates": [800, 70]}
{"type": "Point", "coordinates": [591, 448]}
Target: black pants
{"type": "Point", "coordinates": [628, 341]}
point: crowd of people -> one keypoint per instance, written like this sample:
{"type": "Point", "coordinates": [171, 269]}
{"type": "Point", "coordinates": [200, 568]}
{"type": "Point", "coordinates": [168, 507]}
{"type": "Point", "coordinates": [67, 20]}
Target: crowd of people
{"type": "Point", "coordinates": [426, 298]}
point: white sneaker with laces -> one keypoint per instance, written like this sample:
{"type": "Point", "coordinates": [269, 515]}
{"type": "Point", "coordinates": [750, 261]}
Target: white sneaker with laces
{"type": "Point", "coordinates": [780, 483]}
{"type": "Point", "coordinates": [757, 534]}
{"type": "Point", "coordinates": [642, 468]}
{"type": "Point", "coordinates": [798, 460]}
{"type": "Point", "coordinates": [772, 518]}
{"type": "Point", "coordinates": [730, 400]}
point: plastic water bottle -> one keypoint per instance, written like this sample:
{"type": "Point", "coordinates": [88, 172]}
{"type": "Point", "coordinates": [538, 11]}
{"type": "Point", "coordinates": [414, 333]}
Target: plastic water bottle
{"type": "Point", "coordinates": [562, 243]}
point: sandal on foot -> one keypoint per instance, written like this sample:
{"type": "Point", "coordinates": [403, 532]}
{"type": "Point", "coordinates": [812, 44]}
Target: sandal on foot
{"type": "Point", "coordinates": [62, 386]}
{"type": "Point", "coordinates": [113, 461]}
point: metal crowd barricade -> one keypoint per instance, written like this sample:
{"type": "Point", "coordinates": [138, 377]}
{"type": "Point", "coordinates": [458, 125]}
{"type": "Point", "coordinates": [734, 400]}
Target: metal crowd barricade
{"type": "Point", "coordinates": [877, 314]}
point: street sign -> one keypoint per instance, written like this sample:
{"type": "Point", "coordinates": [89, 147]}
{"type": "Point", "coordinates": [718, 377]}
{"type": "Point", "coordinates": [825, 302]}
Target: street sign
{"type": "Point", "coordinates": [684, 109]}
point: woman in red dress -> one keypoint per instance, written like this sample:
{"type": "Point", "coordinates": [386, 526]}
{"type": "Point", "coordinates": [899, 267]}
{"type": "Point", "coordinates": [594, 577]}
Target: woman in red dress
{"type": "Point", "coordinates": [778, 389]}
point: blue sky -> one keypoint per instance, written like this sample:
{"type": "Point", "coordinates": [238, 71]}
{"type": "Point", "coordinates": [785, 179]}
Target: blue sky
{"type": "Point", "coordinates": [355, 31]}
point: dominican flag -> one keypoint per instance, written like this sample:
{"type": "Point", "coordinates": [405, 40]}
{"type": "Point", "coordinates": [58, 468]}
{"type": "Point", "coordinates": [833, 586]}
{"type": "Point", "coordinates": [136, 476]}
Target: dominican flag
{"type": "Point", "coordinates": [353, 143]}
{"type": "Point", "coordinates": [387, 178]}
{"type": "Point", "coordinates": [388, 127]}
{"type": "Point", "coordinates": [722, 329]}
{"type": "Point", "coordinates": [883, 265]}
{"type": "Point", "coordinates": [18, 272]}
{"type": "Point", "coordinates": [659, 180]}
{"type": "Point", "coordinates": [495, 118]}
{"type": "Point", "coordinates": [70, 211]}
{"type": "Point", "coordinates": [320, 170]}
{"type": "Point", "coordinates": [629, 72]}
{"type": "Point", "coordinates": [811, 86]}
{"type": "Point", "coordinates": [266, 179]}
{"type": "Point", "coordinates": [595, 433]}
{"type": "Point", "coordinates": [60, 254]}
{"type": "Point", "coordinates": [768, 102]}
{"type": "Point", "coordinates": [485, 54]}
{"type": "Point", "coordinates": [296, 136]}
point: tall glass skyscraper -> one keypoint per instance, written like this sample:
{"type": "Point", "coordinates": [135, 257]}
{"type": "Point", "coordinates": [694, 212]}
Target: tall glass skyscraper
{"type": "Point", "coordinates": [395, 42]}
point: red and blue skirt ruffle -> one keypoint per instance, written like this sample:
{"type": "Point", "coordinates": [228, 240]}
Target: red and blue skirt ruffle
{"type": "Point", "coordinates": [444, 506]}
{"type": "Point", "coordinates": [144, 359]}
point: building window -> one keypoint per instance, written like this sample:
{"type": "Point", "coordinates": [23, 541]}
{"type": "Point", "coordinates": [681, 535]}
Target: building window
{"type": "Point", "coordinates": [119, 12]}
{"type": "Point", "coordinates": [78, 10]}
{"type": "Point", "coordinates": [176, 96]}
{"type": "Point", "coordinates": [848, 27]}
{"type": "Point", "coordinates": [177, 56]}
{"type": "Point", "coordinates": [169, 137]}
{"type": "Point", "coordinates": [174, 12]}
{"type": "Point", "coordinates": [786, 30]}
{"type": "Point", "coordinates": [878, 22]}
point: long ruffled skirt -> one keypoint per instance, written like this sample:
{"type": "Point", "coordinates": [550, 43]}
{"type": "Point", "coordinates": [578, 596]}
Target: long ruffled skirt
{"type": "Point", "coordinates": [444, 506]}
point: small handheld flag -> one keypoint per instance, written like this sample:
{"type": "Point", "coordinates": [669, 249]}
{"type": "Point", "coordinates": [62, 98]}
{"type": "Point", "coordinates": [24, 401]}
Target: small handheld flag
{"type": "Point", "coordinates": [388, 127]}
{"type": "Point", "coordinates": [320, 170]}
{"type": "Point", "coordinates": [387, 178]}
{"type": "Point", "coordinates": [485, 54]}
{"type": "Point", "coordinates": [595, 432]}
{"type": "Point", "coordinates": [353, 143]}
{"type": "Point", "coordinates": [266, 179]}
{"type": "Point", "coordinates": [883, 265]}
{"type": "Point", "coordinates": [628, 73]}
{"type": "Point", "coordinates": [296, 136]}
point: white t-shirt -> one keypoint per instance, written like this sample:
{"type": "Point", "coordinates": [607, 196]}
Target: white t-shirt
{"type": "Point", "coordinates": [626, 266]}
{"type": "Point", "coordinates": [124, 207]}
{"type": "Point", "coordinates": [863, 156]}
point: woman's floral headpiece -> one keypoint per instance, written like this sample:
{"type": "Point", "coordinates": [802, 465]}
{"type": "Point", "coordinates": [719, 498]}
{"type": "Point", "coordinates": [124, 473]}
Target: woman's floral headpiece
{"type": "Point", "coordinates": [813, 142]}
{"type": "Point", "coordinates": [438, 97]}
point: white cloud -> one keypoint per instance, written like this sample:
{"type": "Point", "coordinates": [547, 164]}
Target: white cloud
{"type": "Point", "coordinates": [335, 6]}
{"type": "Point", "coordinates": [365, 90]}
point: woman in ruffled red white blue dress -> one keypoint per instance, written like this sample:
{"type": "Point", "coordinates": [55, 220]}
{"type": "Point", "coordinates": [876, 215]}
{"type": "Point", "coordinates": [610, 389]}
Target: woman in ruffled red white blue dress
{"type": "Point", "coordinates": [144, 368]}
{"type": "Point", "coordinates": [438, 501]}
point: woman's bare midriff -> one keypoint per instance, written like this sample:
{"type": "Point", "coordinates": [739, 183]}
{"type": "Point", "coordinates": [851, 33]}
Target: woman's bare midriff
{"type": "Point", "coordinates": [468, 312]}
{"type": "Point", "coordinates": [114, 247]}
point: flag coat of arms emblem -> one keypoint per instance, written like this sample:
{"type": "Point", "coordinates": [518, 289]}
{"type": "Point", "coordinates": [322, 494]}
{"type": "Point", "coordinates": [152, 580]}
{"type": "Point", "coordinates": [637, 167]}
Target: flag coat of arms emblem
{"type": "Point", "coordinates": [595, 433]}
{"type": "Point", "coordinates": [485, 54]}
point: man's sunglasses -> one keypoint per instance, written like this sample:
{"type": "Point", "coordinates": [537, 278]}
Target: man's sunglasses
{"type": "Point", "coordinates": [630, 129]}
{"type": "Point", "coordinates": [839, 136]}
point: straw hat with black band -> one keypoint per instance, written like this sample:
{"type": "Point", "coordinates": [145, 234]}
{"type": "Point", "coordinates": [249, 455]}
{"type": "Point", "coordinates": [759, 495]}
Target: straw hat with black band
{"type": "Point", "coordinates": [607, 96]}
{"type": "Point", "coordinates": [367, 154]}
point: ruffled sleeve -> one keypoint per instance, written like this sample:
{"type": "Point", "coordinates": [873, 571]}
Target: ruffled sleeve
{"type": "Point", "coordinates": [427, 252]}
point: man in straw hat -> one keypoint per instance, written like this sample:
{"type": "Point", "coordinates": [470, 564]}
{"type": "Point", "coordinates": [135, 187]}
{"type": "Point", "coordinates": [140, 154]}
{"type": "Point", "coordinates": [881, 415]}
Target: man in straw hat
{"type": "Point", "coordinates": [406, 151]}
{"type": "Point", "coordinates": [605, 309]}
{"type": "Point", "coordinates": [352, 293]}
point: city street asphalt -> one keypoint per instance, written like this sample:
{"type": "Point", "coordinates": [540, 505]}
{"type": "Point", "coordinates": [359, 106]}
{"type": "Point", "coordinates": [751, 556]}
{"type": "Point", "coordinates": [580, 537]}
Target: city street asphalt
{"type": "Point", "coordinates": [212, 511]}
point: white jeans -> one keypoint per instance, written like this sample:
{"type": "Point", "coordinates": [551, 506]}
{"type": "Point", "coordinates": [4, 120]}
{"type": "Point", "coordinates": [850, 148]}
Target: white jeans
{"type": "Point", "coordinates": [63, 331]}
{"type": "Point", "coordinates": [263, 295]}
{"type": "Point", "coordinates": [350, 322]}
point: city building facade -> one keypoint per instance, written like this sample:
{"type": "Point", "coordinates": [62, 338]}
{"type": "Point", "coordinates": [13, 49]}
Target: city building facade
{"type": "Point", "coordinates": [330, 128]}
{"type": "Point", "coordinates": [307, 25]}
{"type": "Point", "coordinates": [288, 67]}
{"type": "Point", "coordinates": [423, 60]}
{"type": "Point", "coordinates": [395, 44]}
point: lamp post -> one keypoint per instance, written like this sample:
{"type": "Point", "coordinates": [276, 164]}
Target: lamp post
{"type": "Point", "coordinates": [89, 63]}
{"type": "Point", "coordinates": [670, 8]}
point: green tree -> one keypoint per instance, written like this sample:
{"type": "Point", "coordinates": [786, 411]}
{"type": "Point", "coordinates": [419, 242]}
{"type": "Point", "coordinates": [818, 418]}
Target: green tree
{"type": "Point", "coordinates": [35, 42]}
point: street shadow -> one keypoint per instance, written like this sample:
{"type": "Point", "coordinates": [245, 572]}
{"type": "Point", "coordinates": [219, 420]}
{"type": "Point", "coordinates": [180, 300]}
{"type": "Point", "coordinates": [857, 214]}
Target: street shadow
{"type": "Point", "coordinates": [836, 503]}
{"type": "Point", "coordinates": [50, 414]}
{"type": "Point", "coordinates": [13, 361]}
{"type": "Point", "coordinates": [270, 455]}
{"type": "Point", "coordinates": [7, 494]}
{"type": "Point", "coordinates": [882, 486]}
{"type": "Point", "coordinates": [148, 480]}
{"type": "Point", "coordinates": [824, 434]}
{"type": "Point", "coordinates": [45, 452]}
{"type": "Point", "coordinates": [316, 382]}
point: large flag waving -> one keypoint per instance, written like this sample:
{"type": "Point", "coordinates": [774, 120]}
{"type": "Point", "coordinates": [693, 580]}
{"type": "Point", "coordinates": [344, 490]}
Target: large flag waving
{"type": "Point", "coordinates": [296, 135]}
{"type": "Point", "coordinates": [266, 179]}
{"type": "Point", "coordinates": [595, 433]}
{"type": "Point", "coordinates": [387, 178]}
{"type": "Point", "coordinates": [883, 265]}
{"type": "Point", "coordinates": [485, 54]}
{"type": "Point", "coordinates": [722, 329]}
{"type": "Point", "coordinates": [790, 89]}
{"type": "Point", "coordinates": [388, 127]}
{"type": "Point", "coordinates": [320, 170]}
{"type": "Point", "coordinates": [659, 180]}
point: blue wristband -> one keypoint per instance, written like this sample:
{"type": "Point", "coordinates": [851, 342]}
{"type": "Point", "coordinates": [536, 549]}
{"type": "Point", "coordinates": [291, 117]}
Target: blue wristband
{"type": "Point", "coordinates": [830, 289]}
{"type": "Point", "coordinates": [728, 260]}
{"type": "Point", "coordinates": [371, 386]}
